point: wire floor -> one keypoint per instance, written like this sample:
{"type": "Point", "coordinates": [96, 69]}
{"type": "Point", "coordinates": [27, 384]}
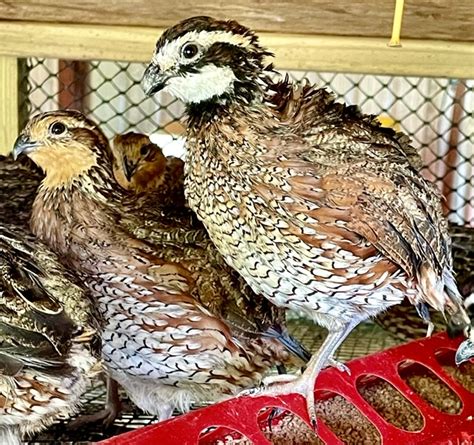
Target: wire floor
{"type": "Point", "coordinates": [366, 339]}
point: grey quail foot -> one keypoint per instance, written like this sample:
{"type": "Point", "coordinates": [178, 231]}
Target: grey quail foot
{"type": "Point", "coordinates": [107, 415]}
{"type": "Point", "coordinates": [305, 383]}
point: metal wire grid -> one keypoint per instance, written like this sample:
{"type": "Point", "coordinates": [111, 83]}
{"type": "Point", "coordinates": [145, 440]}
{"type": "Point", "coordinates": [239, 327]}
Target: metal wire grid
{"type": "Point", "coordinates": [437, 113]}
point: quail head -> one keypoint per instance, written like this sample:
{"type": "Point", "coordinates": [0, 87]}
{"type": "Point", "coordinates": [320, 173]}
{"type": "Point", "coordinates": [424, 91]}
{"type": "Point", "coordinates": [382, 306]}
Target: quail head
{"type": "Point", "coordinates": [140, 166]}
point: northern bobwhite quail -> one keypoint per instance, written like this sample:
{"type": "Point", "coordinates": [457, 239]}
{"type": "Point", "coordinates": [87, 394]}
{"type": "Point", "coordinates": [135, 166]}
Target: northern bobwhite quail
{"type": "Point", "coordinates": [312, 202]}
{"type": "Point", "coordinates": [47, 330]}
{"type": "Point", "coordinates": [220, 289]}
{"type": "Point", "coordinates": [138, 164]}
{"type": "Point", "coordinates": [158, 342]}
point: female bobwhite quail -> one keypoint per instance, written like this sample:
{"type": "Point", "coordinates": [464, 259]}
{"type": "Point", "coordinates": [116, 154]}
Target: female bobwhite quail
{"type": "Point", "coordinates": [312, 202]}
{"type": "Point", "coordinates": [159, 341]}
{"type": "Point", "coordinates": [220, 289]}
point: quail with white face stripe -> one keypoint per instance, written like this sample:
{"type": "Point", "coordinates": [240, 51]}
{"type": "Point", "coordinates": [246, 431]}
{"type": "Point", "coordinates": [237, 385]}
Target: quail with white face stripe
{"type": "Point", "coordinates": [313, 203]}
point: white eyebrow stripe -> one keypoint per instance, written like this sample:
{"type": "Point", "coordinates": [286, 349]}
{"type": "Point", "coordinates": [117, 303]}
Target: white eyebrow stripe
{"type": "Point", "coordinates": [170, 53]}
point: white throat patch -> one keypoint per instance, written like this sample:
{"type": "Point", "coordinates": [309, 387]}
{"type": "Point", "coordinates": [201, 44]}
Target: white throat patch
{"type": "Point", "coordinates": [197, 87]}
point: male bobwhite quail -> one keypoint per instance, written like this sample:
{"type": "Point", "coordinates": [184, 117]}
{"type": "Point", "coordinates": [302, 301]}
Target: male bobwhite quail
{"type": "Point", "coordinates": [158, 341]}
{"type": "Point", "coordinates": [312, 202]}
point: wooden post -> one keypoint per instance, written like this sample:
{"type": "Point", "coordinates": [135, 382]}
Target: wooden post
{"type": "Point", "coordinates": [24, 104]}
{"type": "Point", "coordinates": [452, 155]}
{"type": "Point", "coordinates": [8, 103]}
{"type": "Point", "coordinates": [72, 78]}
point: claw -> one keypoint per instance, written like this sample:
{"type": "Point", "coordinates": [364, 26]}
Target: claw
{"type": "Point", "coordinates": [107, 415]}
{"type": "Point", "coordinates": [429, 329]}
{"type": "Point", "coordinates": [252, 392]}
{"type": "Point", "coordinates": [278, 379]}
{"type": "Point", "coordinates": [339, 365]}
{"type": "Point", "coordinates": [85, 336]}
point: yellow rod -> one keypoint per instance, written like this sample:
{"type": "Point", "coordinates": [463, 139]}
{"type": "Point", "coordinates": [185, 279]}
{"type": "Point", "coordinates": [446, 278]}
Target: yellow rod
{"type": "Point", "coordinates": [397, 23]}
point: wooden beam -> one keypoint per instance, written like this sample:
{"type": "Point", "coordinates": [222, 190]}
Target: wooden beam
{"type": "Point", "coordinates": [292, 51]}
{"type": "Point", "coordinates": [8, 103]}
{"type": "Point", "coordinates": [423, 19]}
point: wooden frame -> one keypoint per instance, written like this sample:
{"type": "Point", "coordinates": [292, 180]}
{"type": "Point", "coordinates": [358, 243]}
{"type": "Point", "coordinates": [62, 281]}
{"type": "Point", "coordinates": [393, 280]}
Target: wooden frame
{"type": "Point", "coordinates": [371, 55]}
{"type": "Point", "coordinates": [8, 103]}
{"type": "Point", "coordinates": [449, 20]}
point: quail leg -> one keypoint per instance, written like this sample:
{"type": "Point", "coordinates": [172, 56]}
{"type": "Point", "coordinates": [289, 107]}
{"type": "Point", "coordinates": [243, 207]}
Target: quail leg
{"type": "Point", "coordinates": [108, 414]}
{"type": "Point", "coordinates": [305, 383]}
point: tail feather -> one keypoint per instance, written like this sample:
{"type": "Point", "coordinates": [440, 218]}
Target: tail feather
{"type": "Point", "coordinates": [289, 342]}
{"type": "Point", "coordinates": [443, 295]}
{"type": "Point", "coordinates": [455, 305]}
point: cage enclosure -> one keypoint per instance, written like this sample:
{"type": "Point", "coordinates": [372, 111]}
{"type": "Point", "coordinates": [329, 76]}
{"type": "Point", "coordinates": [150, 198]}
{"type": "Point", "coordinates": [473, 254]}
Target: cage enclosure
{"type": "Point", "coordinates": [92, 58]}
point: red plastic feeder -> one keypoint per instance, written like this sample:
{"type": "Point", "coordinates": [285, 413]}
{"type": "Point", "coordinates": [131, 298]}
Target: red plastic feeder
{"type": "Point", "coordinates": [247, 415]}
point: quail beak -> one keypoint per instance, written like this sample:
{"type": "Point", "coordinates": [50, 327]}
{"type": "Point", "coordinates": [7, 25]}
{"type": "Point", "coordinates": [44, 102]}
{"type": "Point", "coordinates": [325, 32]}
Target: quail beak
{"type": "Point", "coordinates": [153, 80]}
{"type": "Point", "coordinates": [128, 168]}
{"type": "Point", "coordinates": [23, 145]}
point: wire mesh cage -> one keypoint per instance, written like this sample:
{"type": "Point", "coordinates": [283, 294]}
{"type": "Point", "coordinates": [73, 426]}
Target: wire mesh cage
{"type": "Point", "coordinates": [437, 113]}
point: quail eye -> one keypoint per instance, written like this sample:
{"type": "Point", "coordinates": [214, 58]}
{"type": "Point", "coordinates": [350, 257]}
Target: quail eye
{"type": "Point", "coordinates": [189, 50]}
{"type": "Point", "coordinates": [145, 150]}
{"type": "Point", "coordinates": [57, 128]}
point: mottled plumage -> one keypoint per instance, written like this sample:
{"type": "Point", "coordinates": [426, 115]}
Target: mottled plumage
{"type": "Point", "coordinates": [159, 341]}
{"type": "Point", "coordinates": [18, 185]}
{"type": "Point", "coordinates": [318, 207]}
{"type": "Point", "coordinates": [220, 289]}
{"type": "Point", "coordinates": [138, 164]}
{"type": "Point", "coordinates": [47, 330]}
{"type": "Point", "coordinates": [403, 321]}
